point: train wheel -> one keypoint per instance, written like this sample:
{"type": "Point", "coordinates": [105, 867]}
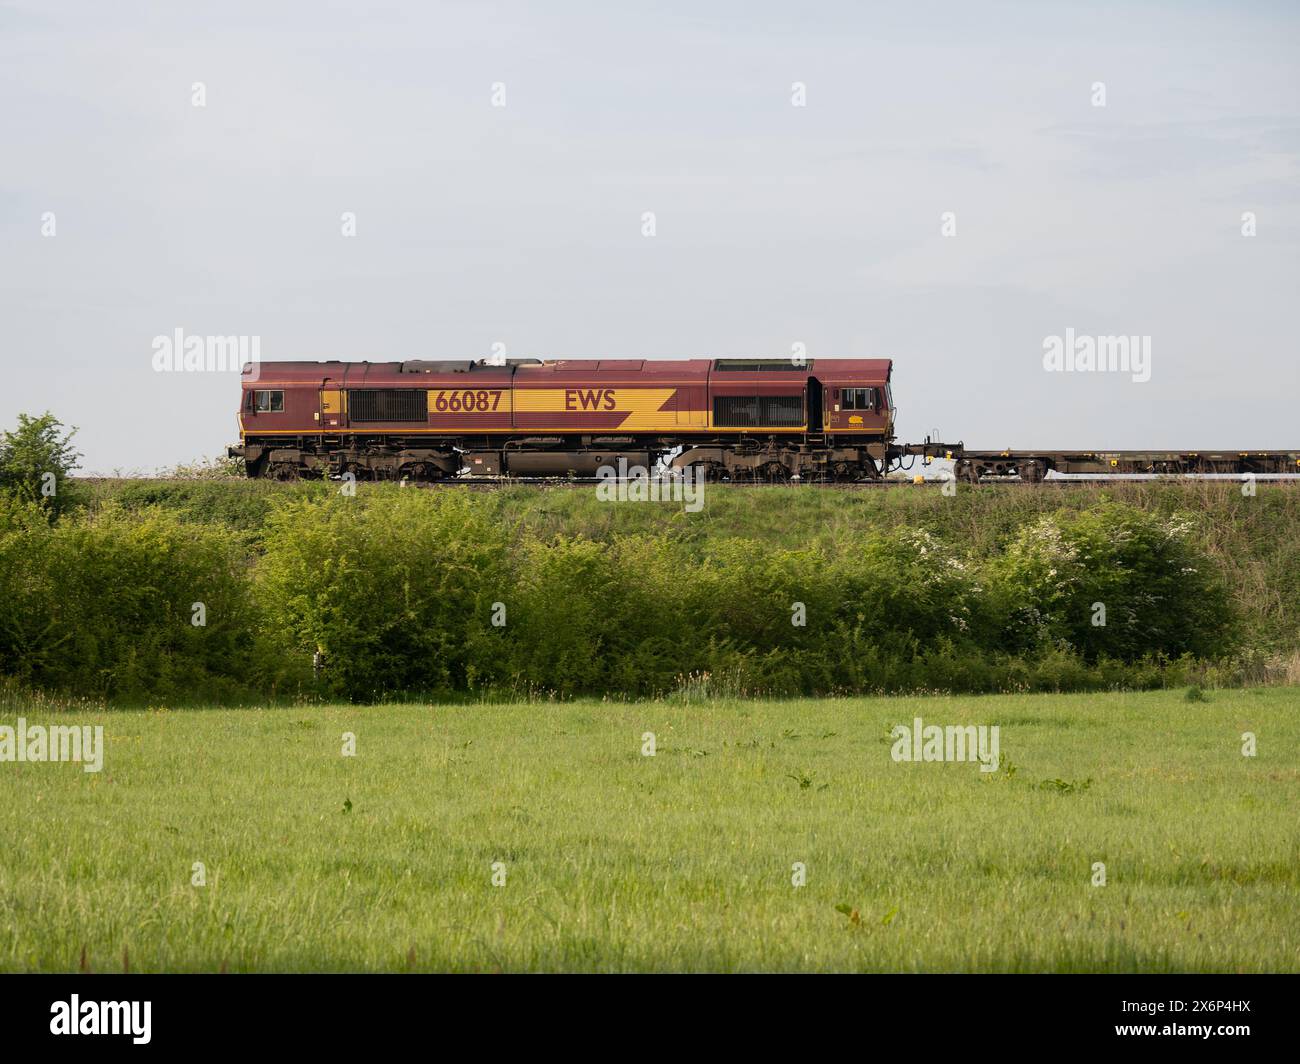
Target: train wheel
{"type": "Point", "coordinates": [1032, 471]}
{"type": "Point", "coordinates": [420, 472]}
{"type": "Point", "coordinates": [707, 472]}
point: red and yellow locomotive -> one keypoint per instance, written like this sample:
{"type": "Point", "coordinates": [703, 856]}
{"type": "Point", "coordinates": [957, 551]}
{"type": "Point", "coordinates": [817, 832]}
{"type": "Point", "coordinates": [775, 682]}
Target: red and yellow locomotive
{"type": "Point", "coordinates": [734, 419]}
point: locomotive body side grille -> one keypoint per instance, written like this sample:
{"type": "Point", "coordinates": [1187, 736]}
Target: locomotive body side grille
{"type": "Point", "coordinates": [753, 411]}
{"type": "Point", "coordinates": [389, 404]}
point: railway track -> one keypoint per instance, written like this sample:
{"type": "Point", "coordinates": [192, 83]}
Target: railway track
{"type": "Point", "coordinates": [1050, 483]}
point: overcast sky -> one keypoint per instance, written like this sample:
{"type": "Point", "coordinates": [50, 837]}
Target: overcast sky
{"type": "Point", "coordinates": [775, 224]}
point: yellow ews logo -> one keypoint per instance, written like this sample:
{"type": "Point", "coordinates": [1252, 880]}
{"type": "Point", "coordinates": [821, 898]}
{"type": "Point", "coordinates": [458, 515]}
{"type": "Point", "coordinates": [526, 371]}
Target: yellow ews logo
{"type": "Point", "coordinates": [588, 398]}
{"type": "Point", "coordinates": [624, 407]}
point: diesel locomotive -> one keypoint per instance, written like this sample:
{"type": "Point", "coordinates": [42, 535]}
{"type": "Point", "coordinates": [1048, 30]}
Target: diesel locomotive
{"type": "Point", "coordinates": [728, 418]}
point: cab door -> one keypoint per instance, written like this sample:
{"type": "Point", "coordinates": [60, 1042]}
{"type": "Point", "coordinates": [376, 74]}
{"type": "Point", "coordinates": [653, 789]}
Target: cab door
{"type": "Point", "coordinates": [814, 405]}
{"type": "Point", "coordinates": [333, 405]}
{"type": "Point", "coordinates": [835, 419]}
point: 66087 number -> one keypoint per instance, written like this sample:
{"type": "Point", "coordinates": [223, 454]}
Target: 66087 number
{"type": "Point", "coordinates": [469, 401]}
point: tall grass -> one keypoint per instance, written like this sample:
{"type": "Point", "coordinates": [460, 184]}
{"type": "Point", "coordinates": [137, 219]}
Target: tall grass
{"type": "Point", "coordinates": [683, 861]}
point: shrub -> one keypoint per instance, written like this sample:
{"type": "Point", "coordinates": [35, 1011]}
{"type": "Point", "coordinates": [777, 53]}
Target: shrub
{"type": "Point", "coordinates": [1113, 581]}
{"type": "Point", "coordinates": [36, 460]}
{"type": "Point", "coordinates": [395, 589]}
{"type": "Point", "coordinates": [103, 605]}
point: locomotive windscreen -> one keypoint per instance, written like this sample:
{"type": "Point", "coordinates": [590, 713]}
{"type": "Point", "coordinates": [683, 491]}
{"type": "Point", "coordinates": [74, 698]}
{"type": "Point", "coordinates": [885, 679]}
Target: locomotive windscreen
{"type": "Point", "coordinates": [388, 404]}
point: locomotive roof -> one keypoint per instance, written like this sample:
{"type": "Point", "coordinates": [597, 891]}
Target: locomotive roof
{"type": "Point", "coordinates": [413, 372]}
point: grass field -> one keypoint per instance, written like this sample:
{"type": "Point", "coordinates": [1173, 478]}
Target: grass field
{"type": "Point", "coordinates": [681, 861]}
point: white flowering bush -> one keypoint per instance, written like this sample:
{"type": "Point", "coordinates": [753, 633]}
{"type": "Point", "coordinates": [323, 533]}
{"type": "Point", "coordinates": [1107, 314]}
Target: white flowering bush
{"type": "Point", "coordinates": [910, 582]}
{"type": "Point", "coordinates": [1113, 581]}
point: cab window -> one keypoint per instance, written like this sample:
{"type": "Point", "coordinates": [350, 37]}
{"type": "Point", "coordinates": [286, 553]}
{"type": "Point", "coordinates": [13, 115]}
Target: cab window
{"type": "Point", "coordinates": [859, 399]}
{"type": "Point", "coordinates": [268, 402]}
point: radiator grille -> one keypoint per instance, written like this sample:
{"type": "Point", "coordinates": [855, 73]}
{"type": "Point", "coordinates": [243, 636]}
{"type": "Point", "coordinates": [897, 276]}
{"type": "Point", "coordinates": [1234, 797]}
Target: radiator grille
{"type": "Point", "coordinates": [388, 404]}
{"type": "Point", "coordinates": [753, 411]}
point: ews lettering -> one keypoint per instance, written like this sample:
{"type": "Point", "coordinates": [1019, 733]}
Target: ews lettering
{"type": "Point", "coordinates": [588, 398]}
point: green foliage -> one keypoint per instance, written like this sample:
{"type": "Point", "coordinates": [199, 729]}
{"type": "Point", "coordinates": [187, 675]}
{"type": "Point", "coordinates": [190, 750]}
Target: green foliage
{"type": "Point", "coordinates": [1249, 543]}
{"type": "Point", "coordinates": [578, 618]}
{"type": "Point", "coordinates": [395, 591]}
{"type": "Point", "coordinates": [104, 605]}
{"type": "Point", "coordinates": [396, 588]}
{"type": "Point", "coordinates": [222, 468]}
{"type": "Point", "coordinates": [1114, 581]}
{"type": "Point", "coordinates": [36, 460]}
{"type": "Point", "coordinates": [240, 505]}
